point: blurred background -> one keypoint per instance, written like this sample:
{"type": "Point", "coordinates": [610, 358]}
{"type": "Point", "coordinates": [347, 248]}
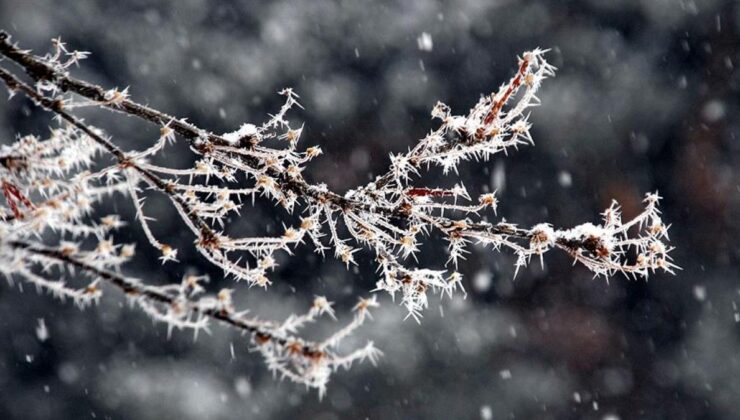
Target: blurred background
{"type": "Point", "coordinates": [645, 99]}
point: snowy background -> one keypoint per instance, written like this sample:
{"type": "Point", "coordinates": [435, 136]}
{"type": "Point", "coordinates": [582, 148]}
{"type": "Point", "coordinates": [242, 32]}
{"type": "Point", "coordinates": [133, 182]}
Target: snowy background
{"type": "Point", "coordinates": [646, 98]}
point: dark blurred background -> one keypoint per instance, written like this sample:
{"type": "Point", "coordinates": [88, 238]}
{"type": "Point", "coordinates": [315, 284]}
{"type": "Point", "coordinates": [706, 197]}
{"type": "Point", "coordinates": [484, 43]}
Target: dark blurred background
{"type": "Point", "coordinates": [646, 98]}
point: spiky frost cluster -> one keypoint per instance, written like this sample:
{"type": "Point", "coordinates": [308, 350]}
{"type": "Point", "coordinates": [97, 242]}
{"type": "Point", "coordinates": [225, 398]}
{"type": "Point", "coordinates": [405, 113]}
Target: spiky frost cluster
{"type": "Point", "coordinates": [51, 187]}
{"type": "Point", "coordinates": [49, 192]}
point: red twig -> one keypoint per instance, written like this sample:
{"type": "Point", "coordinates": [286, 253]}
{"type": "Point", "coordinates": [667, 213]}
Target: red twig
{"type": "Point", "coordinates": [13, 195]}
{"type": "Point", "coordinates": [497, 105]}
{"type": "Point", "coordinates": [428, 192]}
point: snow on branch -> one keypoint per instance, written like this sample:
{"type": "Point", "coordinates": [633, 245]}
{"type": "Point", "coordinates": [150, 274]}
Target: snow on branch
{"type": "Point", "coordinates": [51, 237]}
